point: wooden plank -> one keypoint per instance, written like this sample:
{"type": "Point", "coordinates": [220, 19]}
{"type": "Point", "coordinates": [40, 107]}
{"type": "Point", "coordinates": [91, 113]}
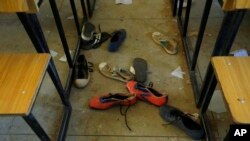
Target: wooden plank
{"type": "Point", "coordinates": [33, 6]}
{"type": "Point", "coordinates": [233, 73]}
{"type": "Point", "coordinates": [20, 79]}
{"type": "Point", "coordinates": [229, 5]}
{"type": "Point", "coordinates": [13, 6]}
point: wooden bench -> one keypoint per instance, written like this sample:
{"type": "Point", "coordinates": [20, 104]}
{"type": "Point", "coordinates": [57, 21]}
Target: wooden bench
{"type": "Point", "coordinates": [29, 6]}
{"type": "Point", "coordinates": [233, 75]}
{"type": "Point", "coordinates": [26, 11]}
{"type": "Point", "coordinates": [20, 79]}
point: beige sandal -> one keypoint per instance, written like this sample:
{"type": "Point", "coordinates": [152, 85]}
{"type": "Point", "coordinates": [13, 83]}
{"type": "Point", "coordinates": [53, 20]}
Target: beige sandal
{"type": "Point", "coordinates": [116, 73]}
{"type": "Point", "coordinates": [169, 45]}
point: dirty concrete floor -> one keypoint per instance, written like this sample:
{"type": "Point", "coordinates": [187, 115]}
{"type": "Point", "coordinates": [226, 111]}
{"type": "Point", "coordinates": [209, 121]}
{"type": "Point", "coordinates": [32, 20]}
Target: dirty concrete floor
{"type": "Point", "coordinates": [139, 19]}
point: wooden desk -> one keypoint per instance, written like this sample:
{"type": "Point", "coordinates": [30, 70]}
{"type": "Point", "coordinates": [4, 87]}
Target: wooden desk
{"type": "Point", "coordinates": [20, 79]}
{"type": "Point", "coordinates": [29, 6]}
{"type": "Point", "coordinates": [233, 74]}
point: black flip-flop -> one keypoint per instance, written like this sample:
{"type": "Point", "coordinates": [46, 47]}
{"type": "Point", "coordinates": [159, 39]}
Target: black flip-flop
{"type": "Point", "coordinates": [141, 69]}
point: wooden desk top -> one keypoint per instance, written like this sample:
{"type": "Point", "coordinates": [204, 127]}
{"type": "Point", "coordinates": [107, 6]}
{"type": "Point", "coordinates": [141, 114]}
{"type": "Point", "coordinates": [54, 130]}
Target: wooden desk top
{"type": "Point", "coordinates": [233, 73]}
{"type": "Point", "coordinates": [229, 5]}
{"type": "Point", "coordinates": [29, 6]}
{"type": "Point", "coordinates": [20, 79]}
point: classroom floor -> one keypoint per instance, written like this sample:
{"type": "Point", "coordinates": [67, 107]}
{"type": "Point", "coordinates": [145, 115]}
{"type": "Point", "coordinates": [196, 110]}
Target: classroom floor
{"type": "Point", "coordinates": [139, 19]}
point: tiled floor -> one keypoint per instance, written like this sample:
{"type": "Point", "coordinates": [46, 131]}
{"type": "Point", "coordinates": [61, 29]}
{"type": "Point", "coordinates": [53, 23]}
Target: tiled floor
{"type": "Point", "coordinates": [139, 19]}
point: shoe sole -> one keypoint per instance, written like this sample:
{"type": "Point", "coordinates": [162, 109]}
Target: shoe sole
{"type": "Point", "coordinates": [141, 69]}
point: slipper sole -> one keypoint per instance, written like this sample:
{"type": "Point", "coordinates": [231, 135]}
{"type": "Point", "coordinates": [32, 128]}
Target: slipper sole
{"type": "Point", "coordinates": [141, 69]}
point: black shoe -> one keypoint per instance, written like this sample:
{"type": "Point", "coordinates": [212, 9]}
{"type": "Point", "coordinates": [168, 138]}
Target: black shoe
{"type": "Point", "coordinates": [98, 39]}
{"type": "Point", "coordinates": [82, 72]}
{"type": "Point", "coordinates": [181, 120]}
{"type": "Point", "coordinates": [88, 31]}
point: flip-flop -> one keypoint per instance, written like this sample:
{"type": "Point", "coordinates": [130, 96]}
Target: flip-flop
{"type": "Point", "coordinates": [168, 44]}
{"type": "Point", "coordinates": [116, 73]}
{"type": "Point", "coordinates": [141, 69]}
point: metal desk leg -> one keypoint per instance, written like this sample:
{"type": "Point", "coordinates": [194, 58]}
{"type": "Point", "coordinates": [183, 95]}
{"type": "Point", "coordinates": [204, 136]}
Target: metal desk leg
{"type": "Point", "coordinates": [185, 24]}
{"type": "Point", "coordinates": [201, 33]}
{"type": "Point", "coordinates": [230, 26]}
{"type": "Point", "coordinates": [180, 8]}
{"type": "Point", "coordinates": [228, 31]}
{"type": "Point", "coordinates": [174, 7]}
{"type": "Point", "coordinates": [64, 99]}
{"type": "Point", "coordinates": [33, 123]}
{"type": "Point", "coordinates": [61, 32]}
{"type": "Point", "coordinates": [28, 21]}
{"type": "Point", "coordinates": [33, 28]}
{"type": "Point", "coordinates": [85, 14]}
{"type": "Point", "coordinates": [91, 8]}
{"type": "Point", "coordinates": [73, 8]}
{"type": "Point", "coordinates": [208, 95]}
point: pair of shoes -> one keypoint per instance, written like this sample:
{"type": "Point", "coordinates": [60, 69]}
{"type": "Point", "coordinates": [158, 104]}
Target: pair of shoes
{"type": "Point", "coordinates": [83, 69]}
{"type": "Point", "coordinates": [88, 31]}
{"type": "Point", "coordinates": [168, 44]}
{"type": "Point", "coordinates": [117, 39]}
{"type": "Point", "coordinates": [147, 93]}
{"type": "Point", "coordinates": [116, 73]}
{"type": "Point", "coordinates": [183, 121]}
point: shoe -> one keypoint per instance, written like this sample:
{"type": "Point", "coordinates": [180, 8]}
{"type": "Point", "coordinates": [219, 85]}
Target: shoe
{"type": "Point", "coordinates": [117, 40]}
{"type": "Point", "coordinates": [88, 31]}
{"type": "Point", "coordinates": [82, 72]}
{"type": "Point", "coordinates": [109, 100]}
{"type": "Point", "coordinates": [98, 39]}
{"type": "Point", "coordinates": [120, 74]}
{"type": "Point", "coordinates": [182, 121]}
{"type": "Point", "coordinates": [146, 93]}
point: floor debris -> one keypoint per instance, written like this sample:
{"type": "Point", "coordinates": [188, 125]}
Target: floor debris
{"type": "Point", "coordinates": [178, 72]}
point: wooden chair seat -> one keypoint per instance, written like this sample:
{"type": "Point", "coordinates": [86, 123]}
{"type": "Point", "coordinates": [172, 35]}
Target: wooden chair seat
{"type": "Point", "coordinates": [20, 78]}
{"type": "Point", "coordinates": [233, 74]}
{"type": "Point", "coordinates": [29, 6]}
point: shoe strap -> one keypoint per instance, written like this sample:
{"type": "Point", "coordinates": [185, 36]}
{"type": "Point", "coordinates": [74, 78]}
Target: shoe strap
{"type": "Point", "coordinates": [90, 66]}
{"type": "Point", "coordinates": [98, 37]}
{"type": "Point", "coordinates": [125, 114]}
{"type": "Point", "coordinates": [125, 74]}
{"type": "Point", "coordinates": [142, 87]}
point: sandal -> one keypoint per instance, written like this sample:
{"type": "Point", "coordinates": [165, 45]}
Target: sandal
{"type": "Point", "coordinates": [169, 45]}
{"type": "Point", "coordinates": [116, 73]}
{"type": "Point", "coordinates": [141, 69]}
